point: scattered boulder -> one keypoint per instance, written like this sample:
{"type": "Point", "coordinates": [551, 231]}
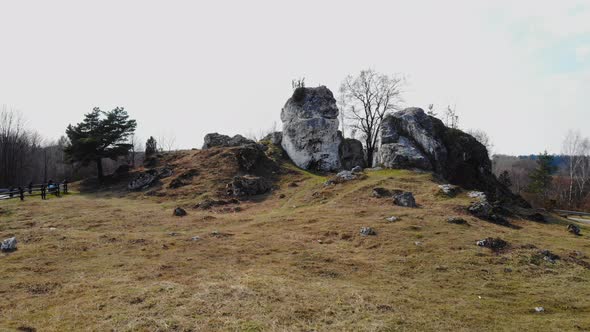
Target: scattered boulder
{"type": "Point", "coordinates": [457, 221]}
{"type": "Point", "coordinates": [495, 244]}
{"type": "Point", "coordinates": [392, 219]}
{"type": "Point", "coordinates": [357, 170]}
{"type": "Point", "coordinates": [341, 177]}
{"type": "Point", "coordinates": [310, 129]}
{"type": "Point", "coordinates": [367, 231]}
{"type": "Point", "coordinates": [143, 180]}
{"type": "Point", "coordinates": [179, 212]}
{"type": "Point", "coordinates": [574, 229]}
{"type": "Point", "coordinates": [215, 140]}
{"type": "Point", "coordinates": [549, 256]}
{"type": "Point", "coordinates": [484, 210]}
{"type": "Point", "coordinates": [477, 194]}
{"type": "Point", "coordinates": [449, 190]}
{"type": "Point", "coordinates": [248, 185]}
{"type": "Point", "coordinates": [8, 245]}
{"type": "Point", "coordinates": [352, 154]}
{"type": "Point", "coordinates": [405, 199]}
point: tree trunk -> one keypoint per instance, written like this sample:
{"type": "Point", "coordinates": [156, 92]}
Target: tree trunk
{"type": "Point", "coordinates": [370, 152]}
{"type": "Point", "coordinates": [99, 169]}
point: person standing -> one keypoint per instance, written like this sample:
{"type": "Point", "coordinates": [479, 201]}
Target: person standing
{"type": "Point", "coordinates": [43, 191]}
{"type": "Point", "coordinates": [31, 188]}
{"type": "Point", "coordinates": [65, 183]}
{"type": "Point", "coordinates": [21, 192]}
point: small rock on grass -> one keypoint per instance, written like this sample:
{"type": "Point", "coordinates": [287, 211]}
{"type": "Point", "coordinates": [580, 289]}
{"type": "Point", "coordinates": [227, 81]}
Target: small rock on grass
{"type": "Point", "coordinates": [179, 212]}
{"type": "Point", "coordinates": [8, 245]}
{"type": "Point", "coordinates": [457, 221]}
{"type": "Point", "coordinates": [366, 231]}
{"type": "Point", "coordinates": [573, 229]}
{"type": "Point", "coordinates": [539, 309]}
{"type": "Point", "coordinates": [392, 219]}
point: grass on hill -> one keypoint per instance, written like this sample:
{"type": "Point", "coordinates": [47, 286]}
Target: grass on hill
{"type": "Point", "coordinates": [102, 261]}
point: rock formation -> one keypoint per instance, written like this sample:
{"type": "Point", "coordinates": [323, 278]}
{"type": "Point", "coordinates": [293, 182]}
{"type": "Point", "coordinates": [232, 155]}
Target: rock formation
{"type": "Point", "coordinates": [413, 139]}
{"type": "Point", "coordinates": [214, 140]}
{"type": "Point", "coordinates": [351, 154]}
{"type": "Point", "coordinates": [310, 129]}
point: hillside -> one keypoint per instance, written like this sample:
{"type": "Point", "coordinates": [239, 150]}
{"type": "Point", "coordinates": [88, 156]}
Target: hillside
{"type": "Point", "coordinates": [292, 259]}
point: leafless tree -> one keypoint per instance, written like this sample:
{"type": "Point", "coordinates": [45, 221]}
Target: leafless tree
{"type": "Point", "coordinates": [576, 149]}
{"type": "Point", "coordinates": [167, 141]}
{"type": "Point", "coordinates": [482, 137]}
{"type": "Point", "coordinates": [451, 117]}
{"type": "Point", "coordinates": [367, 98]}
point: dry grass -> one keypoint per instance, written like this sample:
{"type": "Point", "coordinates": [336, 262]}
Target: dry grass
{"type": "Point", "coordinates": [104, 262]}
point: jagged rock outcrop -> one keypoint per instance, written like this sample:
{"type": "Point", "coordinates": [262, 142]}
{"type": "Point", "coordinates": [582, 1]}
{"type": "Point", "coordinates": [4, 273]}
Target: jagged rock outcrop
{"type": "Point", "coordinates": [248, 185]}
{"type": "Point", "coordinates": [351, 154]}
{"type": "Point", "coordinates": [310, 129]}
{"type": "Point", "coordinates": [214, 140]}
{"type": "Point", "coordinates": [413, 139]}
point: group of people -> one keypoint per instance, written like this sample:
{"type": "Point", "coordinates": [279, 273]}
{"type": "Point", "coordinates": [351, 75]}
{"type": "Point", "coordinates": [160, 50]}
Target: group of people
{"type": "Point", "coordinates": [45, 188]}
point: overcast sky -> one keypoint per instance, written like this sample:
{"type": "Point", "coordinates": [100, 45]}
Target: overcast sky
{"type": "Point", "coordinates": [519, 70]}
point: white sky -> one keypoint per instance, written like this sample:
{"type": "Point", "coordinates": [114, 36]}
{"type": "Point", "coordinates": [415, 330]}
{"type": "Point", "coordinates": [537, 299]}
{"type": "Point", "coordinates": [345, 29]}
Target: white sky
{"type": "Point", "coordinates": [519, 70]}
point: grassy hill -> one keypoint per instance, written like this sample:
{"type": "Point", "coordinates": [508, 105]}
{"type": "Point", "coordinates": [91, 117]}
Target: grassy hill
{"type": "Point", "coordinates": [292, 260]}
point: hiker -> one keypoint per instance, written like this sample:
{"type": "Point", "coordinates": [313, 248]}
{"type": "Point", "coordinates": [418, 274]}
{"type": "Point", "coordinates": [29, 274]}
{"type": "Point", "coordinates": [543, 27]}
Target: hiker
{"type": "Point", "coordinates": [65, 183]}
{"type": "Point", "coordinates": [31, 188]}
{"type": "Point", "coordinates": [43, 191]}
{"type": "Point", "coordinates": [21, 192]}
{"type": "Point", "coordinates": [50, 186]}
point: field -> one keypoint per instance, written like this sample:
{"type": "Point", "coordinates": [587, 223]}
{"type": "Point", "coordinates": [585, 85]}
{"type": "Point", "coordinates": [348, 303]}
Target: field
{"type": "Point", "coordinates": [115, 261]}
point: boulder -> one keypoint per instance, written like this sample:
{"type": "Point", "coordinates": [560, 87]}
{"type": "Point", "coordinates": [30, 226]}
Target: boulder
{"type": "Point", "coordinates": [449, 190]}
{"type": "Point", "coordinates": [8, 245]}
{"type": "Point", "coordinates": [214, 140]}
{"type": "Point", "coordinates": [379, 192]}
{"type": "Point", "coordinates": [573, 229]}
{"type": "Point", "coordinates": [310, 129]}
{"type": "Point", "coordinates": [405, 199]}
{"type": "Point", "coordinates": [179, 212]}
{"type": "Point", "coordinates": [248, 185]}
{"type": "Point", "coordinates": [413, 139]}
{"type": "Point", "coordinates": [352, 154]}
{"type": "Point", "coordinates": [357, 170]}
{"type": "Point", "coordinates": [143, 180]}
{"type": "Point", "coordinates": [341, 177]}
{"type": "Point", "coordinates": [496, 244]}
{"type": "Point", "coordinates": [367, 231]}
{"type": "Point", "coordinates": [457, 221]}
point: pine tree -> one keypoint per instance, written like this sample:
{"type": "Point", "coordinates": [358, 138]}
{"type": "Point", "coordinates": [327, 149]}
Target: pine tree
{"type": "Point", "coordinates": [100, 135]}
{"type": "Point", "coordinates": [151, 146]}
{"type": "Point", "coordinates": [541, 177]}
{"type": "Point", "coordinates": [504, 179]}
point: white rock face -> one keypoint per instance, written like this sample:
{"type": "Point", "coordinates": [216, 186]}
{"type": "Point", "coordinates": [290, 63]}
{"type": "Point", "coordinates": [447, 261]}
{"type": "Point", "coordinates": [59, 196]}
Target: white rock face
{"type": "Point", "coordinates": [310, 129]}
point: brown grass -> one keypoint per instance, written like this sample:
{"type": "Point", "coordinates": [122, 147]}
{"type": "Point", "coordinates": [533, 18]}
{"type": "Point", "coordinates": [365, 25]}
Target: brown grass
{"type": "Point", "coordinates": [105, 262]}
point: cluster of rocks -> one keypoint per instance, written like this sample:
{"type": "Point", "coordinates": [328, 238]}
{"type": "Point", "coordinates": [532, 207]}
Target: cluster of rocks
{"type": "Point", "coordinates": [148, 178]}
{"type": "Point", "coordinates": [573, 229]}
{"type": "Point", "coordinates": [215, 140]}
{"type": "Point", "coordinates": [495, 244]}
{"type": "Point", "coordinates": [485, 210]}
{"type": "Point", "coordinates": [344, 176]}
{"type": "Point", "coordinates": [248, 185]}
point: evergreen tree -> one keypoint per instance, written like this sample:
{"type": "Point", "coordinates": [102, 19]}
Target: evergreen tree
{"type": "Point", "coordinates": [151, 146]}
{"type": "Point", "coordinates": [504, 179]}
{"type": "Point", "coordinates": [100, 135]}
{"type": "Point", "coordinates": [541, 177]}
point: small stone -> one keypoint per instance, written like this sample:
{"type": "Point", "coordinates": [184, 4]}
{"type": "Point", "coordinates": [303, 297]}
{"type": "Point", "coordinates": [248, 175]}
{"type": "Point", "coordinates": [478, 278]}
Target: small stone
{"type": "Point", "coordinates": [366, 231]}
{"type": "Point", "coordinates": [357, 169]}
{"type": "Point", "coordinates": [179, 212]}
{"type": "Point", "coordinates": [172, 233]}
{"type": "Point", "coordinates": [392, 219]}
{"type": "Point", "coordinates": [549, 256]}
{"type": "Point", "coordinates": [507, 270]}
{"type": "Point", "coordinates": [195, 238]}
{"type": "Point", "coordinates": [281, 196]}
{"type": "Point", "coordinates": [496, 244]}
{"type": "Point", "coordinates": [418, 243]}
{"type": "Point", "coordinates": [215, 233]}
{"type": "Point", "coordinates": [8, 245]}
{"type": "Point", "coordinates": [539, 309]}
{"type": "Point", "coordinates": [381, 192]}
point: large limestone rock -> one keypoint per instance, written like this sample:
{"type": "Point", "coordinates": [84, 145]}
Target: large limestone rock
{"type": "Point", "coordinates": [213, 140]}
{"type": "Point", "coordinates": [413, 139]}
{"type": "Point", "coordinates": [310, 129]}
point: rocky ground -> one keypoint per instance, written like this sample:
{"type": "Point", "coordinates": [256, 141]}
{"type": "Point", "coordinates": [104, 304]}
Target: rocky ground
{"type": "Point", "coordinates": [306, 256]}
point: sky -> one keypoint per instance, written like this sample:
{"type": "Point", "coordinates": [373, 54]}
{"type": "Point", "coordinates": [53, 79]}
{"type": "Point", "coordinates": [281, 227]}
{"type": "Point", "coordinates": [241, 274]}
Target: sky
{"type": "Point", "coordinates": [518, 70]}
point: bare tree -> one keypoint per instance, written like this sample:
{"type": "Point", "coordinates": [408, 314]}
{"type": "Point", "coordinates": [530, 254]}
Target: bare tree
{"type": "Point", "coordinates": [482, 137]}
{"type": "Point", "coordinates": [135, 143]}
{"type": "Point", "coordinates": [167, 141]}
{"type": "Point", "coordinates": [451, 117]}
{"type": "Point", "coordinates": [576, 147]}
{"type": "Point", "coordinates": [367, 98]}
